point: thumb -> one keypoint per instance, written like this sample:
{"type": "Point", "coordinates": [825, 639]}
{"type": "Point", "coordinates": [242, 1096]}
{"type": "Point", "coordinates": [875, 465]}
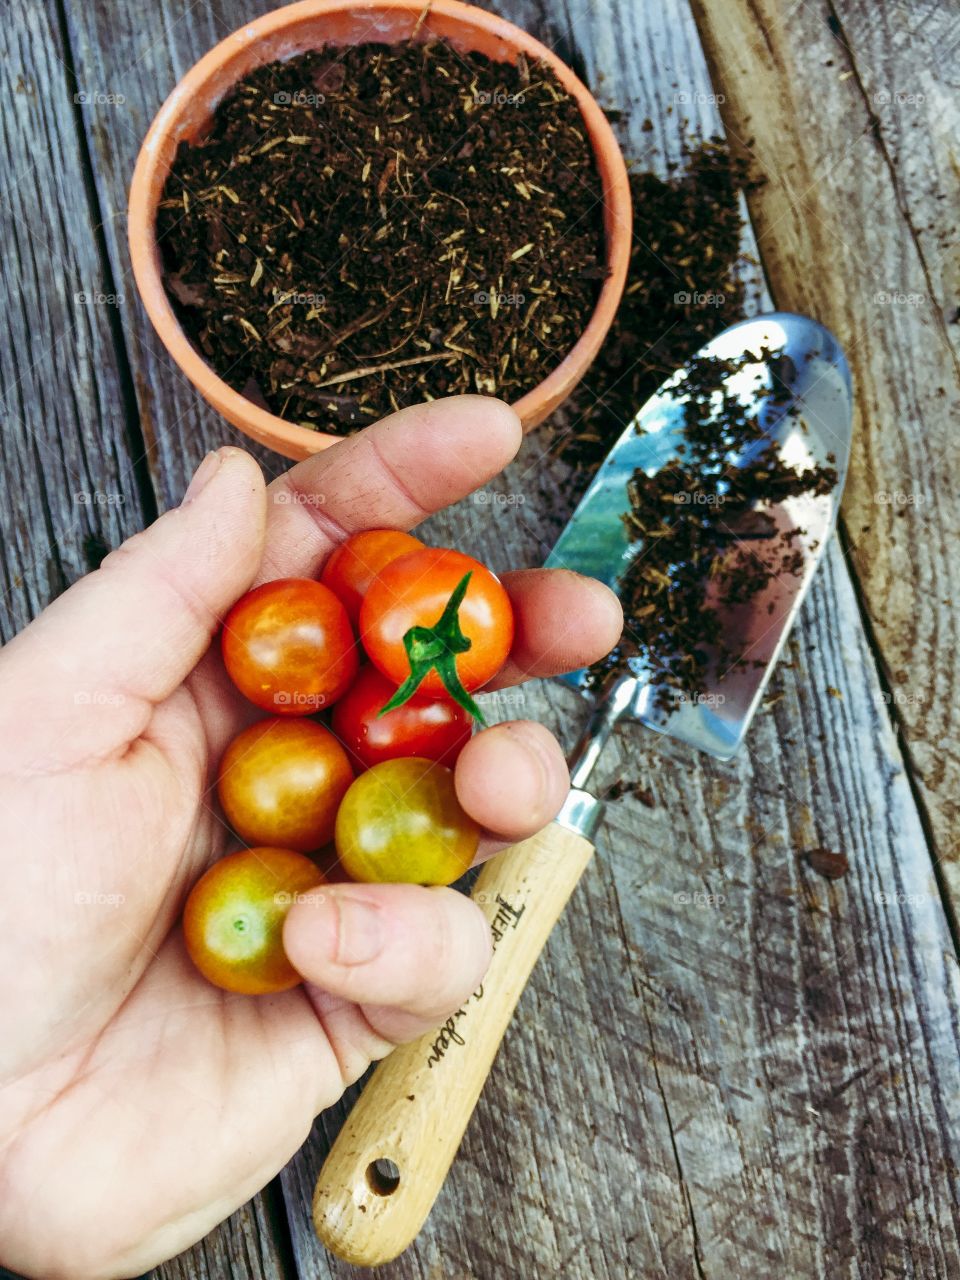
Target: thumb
{"type": "Point", "coordinates": [83, 677]}
{"type": "Point", "coordinates": [408, 955]}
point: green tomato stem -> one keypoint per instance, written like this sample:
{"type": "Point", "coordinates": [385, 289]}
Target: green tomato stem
{"type": "Point", "coordinates": [435, 649]}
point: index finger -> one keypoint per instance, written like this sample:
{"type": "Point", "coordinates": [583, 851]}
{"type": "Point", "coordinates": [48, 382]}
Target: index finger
{"type": "Point", "coordinates": [392, 475]}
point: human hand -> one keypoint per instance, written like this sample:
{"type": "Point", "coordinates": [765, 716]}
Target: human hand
{"type": "Point", "coordinates": [140, 1105]}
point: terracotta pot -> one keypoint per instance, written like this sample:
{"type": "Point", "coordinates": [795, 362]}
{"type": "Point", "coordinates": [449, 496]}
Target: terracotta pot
{"type": "Point", "coordinates": [308, 25]}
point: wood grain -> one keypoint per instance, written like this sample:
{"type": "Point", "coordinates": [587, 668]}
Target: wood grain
{"type": "Point", "coordinates": [67, 461]}
{"type": "Point", "coordinates": [851, 114]}
{"type": "Point", "coordinates": [122, 50]}
{"type": "Point", "coordinates": [725, 1064]}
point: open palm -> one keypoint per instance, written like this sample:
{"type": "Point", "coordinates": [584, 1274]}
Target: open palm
{"type": "Point", "coordinates": [138, 1104]}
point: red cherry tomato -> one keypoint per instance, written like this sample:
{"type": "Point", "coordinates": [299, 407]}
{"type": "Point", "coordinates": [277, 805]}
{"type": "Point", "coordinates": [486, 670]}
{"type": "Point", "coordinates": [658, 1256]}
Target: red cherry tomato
{"type": "Point", "coordinates": [233, 919]}
{"type": "Point", "coordinates": [288, 646]}
{"type": "Point", "coordinates": [281, 783]}
{"type": "Point", "coordinates": [436, 729]}
{"type": "Point", "coordinates": [401, 821]}
{"type": "Point", "coordinates": [356, 562]}
{"type": "Point", "coordinates": [412, 592]}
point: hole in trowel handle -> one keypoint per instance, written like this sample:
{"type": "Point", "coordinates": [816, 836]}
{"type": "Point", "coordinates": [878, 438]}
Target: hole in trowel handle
{"type": "Point", "coordinates": [383, 1177]}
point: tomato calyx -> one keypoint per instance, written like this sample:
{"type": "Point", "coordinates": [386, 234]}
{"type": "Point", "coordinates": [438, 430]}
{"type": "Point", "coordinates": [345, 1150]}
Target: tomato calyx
{"type": "Point", "coordinates": [435, 649]}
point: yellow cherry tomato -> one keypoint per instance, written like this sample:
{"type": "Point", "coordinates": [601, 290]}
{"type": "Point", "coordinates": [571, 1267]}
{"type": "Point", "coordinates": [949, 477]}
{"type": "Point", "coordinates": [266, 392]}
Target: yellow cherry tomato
{"type": "Point", "coordinates": [401, 822]}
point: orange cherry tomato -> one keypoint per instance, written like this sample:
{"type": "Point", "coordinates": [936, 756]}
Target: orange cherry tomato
{"type": "Point", "coordinates": [356, 562]}
{"type": "Point", "coordinates": [413, 592]}
{"type": "Point", "coordinates": [281, 783]}
{"type": "Point", "coordinates": [401, 822]}
{"type": "Point", "coordinates": [288, 646]}
{"type": "Point", "coordinates": [233, 919]}
{"type": "Point", "coordinates": [437, 729]}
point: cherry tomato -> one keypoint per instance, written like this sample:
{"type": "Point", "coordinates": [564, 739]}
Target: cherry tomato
{"type": "Point", "coordinates": [435, 729]}
{"type": "Point", "coordinates": [356, 562]}
{"type": "Point", "coordinates": [288, 646]}
{"type": "Point", "coordinates": [412, 592]}
{"type": "Point", "coordinates": [281, 783]}
{"type": "Point", "coordinates": [233, 919]}
{"type": "Point", "coordinates": [401, 822]}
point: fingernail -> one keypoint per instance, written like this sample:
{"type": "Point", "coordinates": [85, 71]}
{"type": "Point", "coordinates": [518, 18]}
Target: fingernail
{"type": "Point", "coordinates": [202, 477]}
{"type": "Point", "coordinates": [359, 930]}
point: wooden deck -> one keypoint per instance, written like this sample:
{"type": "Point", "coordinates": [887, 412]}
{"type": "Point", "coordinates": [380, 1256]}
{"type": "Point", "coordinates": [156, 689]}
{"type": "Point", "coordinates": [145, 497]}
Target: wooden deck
{"type": "Point", "coordinates": [726, 1065]}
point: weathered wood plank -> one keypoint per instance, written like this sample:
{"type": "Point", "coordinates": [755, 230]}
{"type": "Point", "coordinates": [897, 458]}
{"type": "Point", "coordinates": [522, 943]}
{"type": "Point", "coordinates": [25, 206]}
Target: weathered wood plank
{"type": "Point", "coordinates": [851, 113]}
{"type": "Point", "coordinates": [72, 479]}
{"type": "Point", "coordinates": [762, 1080]}
{"type": "Point", "coordinates": [122, 51]}
{"type": "Point", "coordinates": [67, 464]}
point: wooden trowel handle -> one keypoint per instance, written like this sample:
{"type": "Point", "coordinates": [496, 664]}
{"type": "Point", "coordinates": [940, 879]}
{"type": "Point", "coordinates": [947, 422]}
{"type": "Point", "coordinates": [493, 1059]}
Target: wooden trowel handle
{"type": "Point", "coordinates": [415, 1107]}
